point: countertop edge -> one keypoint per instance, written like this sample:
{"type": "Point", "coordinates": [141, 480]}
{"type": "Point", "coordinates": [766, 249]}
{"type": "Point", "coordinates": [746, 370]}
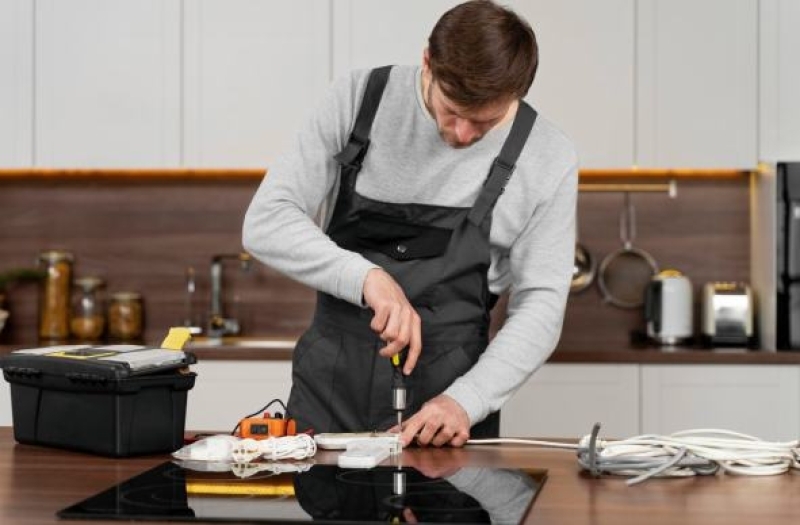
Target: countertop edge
{"type": "Point", "coordinates": [675, 356]}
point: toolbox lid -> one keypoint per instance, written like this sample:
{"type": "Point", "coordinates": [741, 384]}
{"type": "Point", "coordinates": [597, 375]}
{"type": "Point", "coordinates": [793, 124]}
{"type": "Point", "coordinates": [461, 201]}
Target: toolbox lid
{"type": "Point", "coordinates": [107, 361]}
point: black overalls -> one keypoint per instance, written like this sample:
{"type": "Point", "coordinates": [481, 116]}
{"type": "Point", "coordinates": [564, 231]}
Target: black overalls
{"type": "Point", "coordinates": [440, 257]}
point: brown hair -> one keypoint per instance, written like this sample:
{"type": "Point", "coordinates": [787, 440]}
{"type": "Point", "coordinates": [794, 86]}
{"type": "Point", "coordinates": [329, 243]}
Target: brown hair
{"type": "Point", "coordinates": [480, 52]}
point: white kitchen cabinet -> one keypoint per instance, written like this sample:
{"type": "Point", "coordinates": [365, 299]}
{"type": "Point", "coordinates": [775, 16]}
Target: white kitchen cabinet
{"type": "Point", "coordinates": [760, 400]}
{"type": "Point", "coordinates": [226, 391]}
{"type": "Point", "coordinates": [16, 83]}
{"type": "Point", "coordinates": [566, 400]}
{"type": "Point", "coordinates": [585, 79]}
{"type": "Point", "coordinates": [253, 71]}
{"type": "Point", "coordinates": [779, 80]}
{"type": "Point", "coordinates": [372, 33]}
{"type": "Point", "coordinates": [697, 83]}
{"type": "Point", "coordinates": [107, 83]}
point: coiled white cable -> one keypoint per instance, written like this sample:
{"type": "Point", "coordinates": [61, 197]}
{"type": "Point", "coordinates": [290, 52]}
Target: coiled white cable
{"type": "Point", "coordinates": [300, 446]}
{"type": "Point", "coordinates": [686, 453]}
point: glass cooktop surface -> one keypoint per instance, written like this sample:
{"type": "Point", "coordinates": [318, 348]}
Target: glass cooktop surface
{"type": "Point", "coordinates": [302, 492]}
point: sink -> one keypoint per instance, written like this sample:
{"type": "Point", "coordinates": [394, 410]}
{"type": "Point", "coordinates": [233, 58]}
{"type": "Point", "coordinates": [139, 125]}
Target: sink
{"type": "Point", "coordinates": [265, 343]}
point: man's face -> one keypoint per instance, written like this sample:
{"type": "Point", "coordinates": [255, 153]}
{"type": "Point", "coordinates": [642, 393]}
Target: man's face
{"type": "Point", "coordinates": [460, 127]}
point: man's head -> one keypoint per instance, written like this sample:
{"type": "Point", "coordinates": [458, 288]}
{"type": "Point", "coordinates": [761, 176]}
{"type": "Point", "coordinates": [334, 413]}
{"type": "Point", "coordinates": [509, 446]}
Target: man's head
{"type": "Point", "coordinates": [481, 58]}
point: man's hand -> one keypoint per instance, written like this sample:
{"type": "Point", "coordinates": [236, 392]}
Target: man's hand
{"type": "Point", "coordinates": [395, 320]}
{"type": "Point", "coordinates": [441, 421]}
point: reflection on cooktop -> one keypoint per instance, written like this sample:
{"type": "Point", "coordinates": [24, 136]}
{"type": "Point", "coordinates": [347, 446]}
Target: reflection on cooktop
{"type": "Point", "coordinates": [266, 493]}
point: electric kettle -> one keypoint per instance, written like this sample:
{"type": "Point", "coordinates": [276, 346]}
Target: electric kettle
{"type": "Point", "coordinates": [668, 308]}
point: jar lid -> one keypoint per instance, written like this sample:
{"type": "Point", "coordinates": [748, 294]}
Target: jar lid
{"type": "Point", "coordinates": [126, 296]}
{"type": "Point", "coordinates": [54, 256]}
{"type": "Point", "coordinates": [89, 283]}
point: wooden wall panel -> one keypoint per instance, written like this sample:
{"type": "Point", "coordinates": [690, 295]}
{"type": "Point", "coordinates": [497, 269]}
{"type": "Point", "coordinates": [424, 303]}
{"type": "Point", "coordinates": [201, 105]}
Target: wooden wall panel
{"type": "Point", "coordinates": [141, 235]}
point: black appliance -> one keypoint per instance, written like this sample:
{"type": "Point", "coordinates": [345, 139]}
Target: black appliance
{"type": "Point", "coordinates": [788, 256]}
{"type": "Point", "coordinates": [258, 493]}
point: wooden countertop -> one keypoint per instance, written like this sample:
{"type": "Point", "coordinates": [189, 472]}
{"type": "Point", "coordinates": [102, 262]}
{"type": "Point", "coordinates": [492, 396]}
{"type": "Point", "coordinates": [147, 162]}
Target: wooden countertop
{"type": "Point", "coordinates": [36, 482]}
{"type": "Point", "coordinates": [280, 349]}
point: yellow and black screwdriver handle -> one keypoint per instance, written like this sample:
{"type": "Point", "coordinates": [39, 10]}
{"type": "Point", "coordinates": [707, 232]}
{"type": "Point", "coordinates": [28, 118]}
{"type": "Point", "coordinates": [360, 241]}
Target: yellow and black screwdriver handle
{"type": "Point", "coordinates": [398, 386]}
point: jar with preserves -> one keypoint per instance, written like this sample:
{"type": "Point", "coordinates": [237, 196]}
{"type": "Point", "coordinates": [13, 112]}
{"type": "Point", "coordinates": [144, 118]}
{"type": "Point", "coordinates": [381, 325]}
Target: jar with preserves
{"type": "Point", "coordinates": [54, 295]}
{"type": "Point", "coordinates": [88, 315]}
{"type": "Point", "coordinates": [125, 317]}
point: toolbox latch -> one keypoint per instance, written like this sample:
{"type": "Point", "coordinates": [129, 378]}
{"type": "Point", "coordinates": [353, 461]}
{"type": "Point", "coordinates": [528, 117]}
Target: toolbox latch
{"type": "Point", "coordinates": [21, 371]}
{"type": "Point", "coordinates": [92, 379]}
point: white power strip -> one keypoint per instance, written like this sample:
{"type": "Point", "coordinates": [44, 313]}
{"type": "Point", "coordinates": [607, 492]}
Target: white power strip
{"type": "Point", "coordinates": [364, 454]}
{"type": "Point", "coordinates": [340, 440]}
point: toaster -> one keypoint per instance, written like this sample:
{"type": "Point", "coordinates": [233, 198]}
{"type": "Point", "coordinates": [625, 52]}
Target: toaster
{"type": "Point", "coordinates": [728, 316]}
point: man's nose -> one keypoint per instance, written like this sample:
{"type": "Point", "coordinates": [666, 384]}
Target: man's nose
{"type": "Point", "coordinates": [465, 130]}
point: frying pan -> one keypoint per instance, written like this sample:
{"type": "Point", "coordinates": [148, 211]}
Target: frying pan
{"type": "Point", "coordinates": [624, 274]}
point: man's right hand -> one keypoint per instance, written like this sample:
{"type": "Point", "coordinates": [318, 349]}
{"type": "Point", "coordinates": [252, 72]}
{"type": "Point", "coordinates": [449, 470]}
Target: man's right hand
{"type": "Point", "coordinates": [395, 320]}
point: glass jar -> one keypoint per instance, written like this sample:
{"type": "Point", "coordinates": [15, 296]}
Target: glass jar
{"type": "Point", "coordinates": [88, 315]}
{"type": "Point", "coordinates": [54, 295]}
{"type": "Point", "coordinates": [125, 317]}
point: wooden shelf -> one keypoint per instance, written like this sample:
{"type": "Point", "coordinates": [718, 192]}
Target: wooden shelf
{"type": "Point", "coordinates": [138, 174]}
{"type": "Point", "coordinates": [586, 175]}
{"type": "Point", "coordinates": [665, 173]}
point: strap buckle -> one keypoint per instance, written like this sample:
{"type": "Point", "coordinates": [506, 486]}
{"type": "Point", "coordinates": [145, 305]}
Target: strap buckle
{"type": "Point", "coordinates": [353, 153]}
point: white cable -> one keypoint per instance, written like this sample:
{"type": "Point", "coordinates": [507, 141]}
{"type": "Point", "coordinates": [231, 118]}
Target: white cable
{"type": "Point", "coordinates": [686, 453]}
{"type": "Point", "coordinates": [520, 441]}
{"type": "Point", "coordinates": [274, 448]}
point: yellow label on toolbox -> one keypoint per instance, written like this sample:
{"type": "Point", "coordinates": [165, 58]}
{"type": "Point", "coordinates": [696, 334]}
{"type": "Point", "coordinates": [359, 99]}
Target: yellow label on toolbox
{"type": "Point", "coordinates": [84, 353]}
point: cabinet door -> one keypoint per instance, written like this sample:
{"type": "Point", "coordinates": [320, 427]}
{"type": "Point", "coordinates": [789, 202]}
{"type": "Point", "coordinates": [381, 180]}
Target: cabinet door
{"type": "Point", "coordinates": [584, 83]}
{"type": "Point", "coordinates": [779, 76]}
{"type": "Point", "coordinates": [697, 83]}
{"type": "Point", "coordinates": [371, 33]}
{"type": "Point", "coordinates": [227, 391]}
{"type": "Point", "coordinates": [253, 70]}
{"type": "Point", "coordinates": [107, 83]}
{"type": "Point", "coordinates": [566, 400]}
{"type": "Point", "coordinates": [16, 83]}
{"type": "Point", "coordinates": [760, 400]}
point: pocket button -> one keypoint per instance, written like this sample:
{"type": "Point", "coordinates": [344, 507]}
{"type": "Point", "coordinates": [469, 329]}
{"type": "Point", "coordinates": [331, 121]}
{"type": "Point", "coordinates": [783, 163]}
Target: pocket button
{"type": "Point", "coordinates": [401, 248]}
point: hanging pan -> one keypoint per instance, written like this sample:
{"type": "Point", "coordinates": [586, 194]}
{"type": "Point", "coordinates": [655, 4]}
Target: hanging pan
{"type": "Point", "coordinates": [624, 274]}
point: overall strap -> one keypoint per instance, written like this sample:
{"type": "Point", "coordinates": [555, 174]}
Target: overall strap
{"type": "Point", "coordinates": [358, 143]}
{"type": "Point", "coordinates": [504, 164]}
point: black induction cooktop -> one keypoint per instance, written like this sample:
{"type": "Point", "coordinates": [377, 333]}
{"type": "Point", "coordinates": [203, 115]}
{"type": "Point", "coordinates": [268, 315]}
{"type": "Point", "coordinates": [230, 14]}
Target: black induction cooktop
{"type": "Point", "coordinates": [301, 492]}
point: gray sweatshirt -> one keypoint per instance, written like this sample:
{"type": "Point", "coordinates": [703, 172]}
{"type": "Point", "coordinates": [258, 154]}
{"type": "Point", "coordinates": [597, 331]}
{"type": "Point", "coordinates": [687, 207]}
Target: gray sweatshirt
{"type": "Point", "coordinates": [533, 227]}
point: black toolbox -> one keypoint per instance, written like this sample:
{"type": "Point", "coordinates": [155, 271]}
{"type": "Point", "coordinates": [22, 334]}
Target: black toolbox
{"type": "Point", "coordinates": [115, 400]}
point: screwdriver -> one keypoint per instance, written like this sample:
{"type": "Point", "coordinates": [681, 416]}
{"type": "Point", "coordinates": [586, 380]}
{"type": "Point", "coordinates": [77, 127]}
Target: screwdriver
{"type": "Point", "coordinates": [398, 390]}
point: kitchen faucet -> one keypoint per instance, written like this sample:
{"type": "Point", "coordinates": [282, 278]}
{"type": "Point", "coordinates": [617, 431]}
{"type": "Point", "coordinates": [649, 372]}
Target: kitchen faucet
{"type": "Point", "coordinates": [218, 324]}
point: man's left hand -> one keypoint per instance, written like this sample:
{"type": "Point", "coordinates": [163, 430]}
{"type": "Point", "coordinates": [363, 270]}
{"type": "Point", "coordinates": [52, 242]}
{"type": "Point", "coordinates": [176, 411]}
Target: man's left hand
{"type": "Point", "coordinates": [441, 421]}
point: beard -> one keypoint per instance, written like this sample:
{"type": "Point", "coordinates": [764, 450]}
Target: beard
{"type": "Point", "coordinates": [452, 141]}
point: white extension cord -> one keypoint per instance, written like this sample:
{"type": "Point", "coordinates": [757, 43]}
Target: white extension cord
{"type": "Point", "coordinates": [686, 453]}
{"type": "Point", "coordinates": [300, 446]}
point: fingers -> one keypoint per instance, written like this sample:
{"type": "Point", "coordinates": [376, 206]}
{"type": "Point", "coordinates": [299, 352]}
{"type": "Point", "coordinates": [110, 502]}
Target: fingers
{"type": "Point", "coordinates": [395, 320]}
{"type": "Point", "coordinates": [414, 347]}
{"type": "Point", "coordinates": [440, 422]}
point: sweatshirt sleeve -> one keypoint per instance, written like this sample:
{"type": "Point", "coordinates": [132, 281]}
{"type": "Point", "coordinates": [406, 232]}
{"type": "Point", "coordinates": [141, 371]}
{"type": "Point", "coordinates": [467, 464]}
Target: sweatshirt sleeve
{"type": "Point", "coordinates": [541, 262]}
{"type": "Point", "coordinates": [279, 226]}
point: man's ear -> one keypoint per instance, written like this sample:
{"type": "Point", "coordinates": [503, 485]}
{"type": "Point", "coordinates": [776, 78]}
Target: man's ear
{"type": "Point", "coordinates": [426, 61]}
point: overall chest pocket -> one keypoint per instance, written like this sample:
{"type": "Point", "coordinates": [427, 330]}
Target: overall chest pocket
{"type": "Point", "coordinates": [401, 240]}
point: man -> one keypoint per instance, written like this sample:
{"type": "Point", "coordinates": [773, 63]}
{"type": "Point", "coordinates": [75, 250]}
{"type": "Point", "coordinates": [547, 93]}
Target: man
{"type": "Point", "coordinates": [437, 188]}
